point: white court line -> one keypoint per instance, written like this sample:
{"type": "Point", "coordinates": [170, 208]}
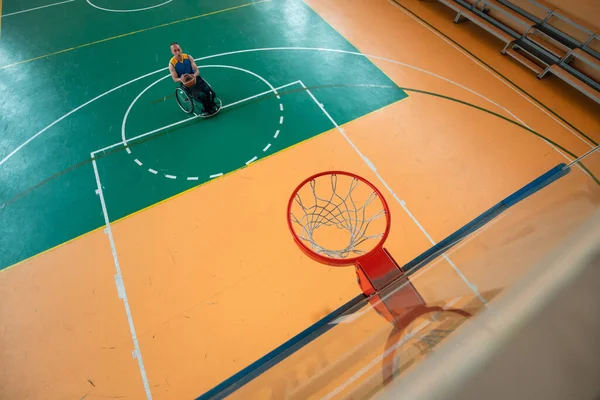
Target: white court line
{"type": "Point", "coordinates": [125, 11]}
{"type": "Point", "coordinates": [584, 140]}
{"type": "Point", "coordinates": [170, 176]}
{"type": "Point", "coordinates": [25, 143]}
{"type": "Point", "coordinates": [251, 160]}
{"type": "Point", "coordinates": [265, 49]}
{"type": "Point", "coordinates": [276, 134]}
{"type": "Point", "coordinates": [216, 175]}
{"type": "Point", "coordinates": [267, 147]}
{"type": "Point", "coordinates": [123, 124]}
{"type": "Point", "coordinates": [401, 202]}
{"type": "Point", "coordinates": [137, 354]}
{"type": "Point", "coordinates": [192, 178]}
{"type": "Point", "coordinates": [37, 8]}
{"type": "Point", "coordinates": [191, 118]}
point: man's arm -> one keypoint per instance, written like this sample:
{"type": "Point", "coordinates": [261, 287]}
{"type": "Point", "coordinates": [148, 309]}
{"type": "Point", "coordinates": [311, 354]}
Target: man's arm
{"type": "Point", "coordinates": [174, 73]}
{"type": "Point", "coordinates": [194, 67]}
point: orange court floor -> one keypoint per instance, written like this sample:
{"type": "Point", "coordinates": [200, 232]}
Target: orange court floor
{"type": "Point", "coordinates": [213, 277]}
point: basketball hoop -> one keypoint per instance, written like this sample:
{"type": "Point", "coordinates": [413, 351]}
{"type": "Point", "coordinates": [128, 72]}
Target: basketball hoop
{"type": "Point", "coordinates": [338, 218]}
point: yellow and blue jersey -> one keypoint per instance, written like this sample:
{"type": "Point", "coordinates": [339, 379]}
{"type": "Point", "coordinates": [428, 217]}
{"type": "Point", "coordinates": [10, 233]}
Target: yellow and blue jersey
{"type": "Point", "coordinates": [184, 66]}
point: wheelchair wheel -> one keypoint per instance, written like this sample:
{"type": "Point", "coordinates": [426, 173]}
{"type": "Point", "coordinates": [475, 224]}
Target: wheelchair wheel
{"type": "Point", "coordinates": [184, 100]}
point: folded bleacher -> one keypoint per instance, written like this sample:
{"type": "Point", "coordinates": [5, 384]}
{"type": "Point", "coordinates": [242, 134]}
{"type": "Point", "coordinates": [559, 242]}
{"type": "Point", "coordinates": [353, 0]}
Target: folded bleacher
{"type": "Point", "coordinates": [540, 37]}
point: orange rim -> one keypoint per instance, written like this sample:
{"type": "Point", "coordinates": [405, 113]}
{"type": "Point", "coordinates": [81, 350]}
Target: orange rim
{"type": "Point", "coordinates": [337, 262]}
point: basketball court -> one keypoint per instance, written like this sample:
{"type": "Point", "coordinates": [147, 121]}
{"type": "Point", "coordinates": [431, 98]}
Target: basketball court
{"type": "Point", "coordinates": [145, 253]}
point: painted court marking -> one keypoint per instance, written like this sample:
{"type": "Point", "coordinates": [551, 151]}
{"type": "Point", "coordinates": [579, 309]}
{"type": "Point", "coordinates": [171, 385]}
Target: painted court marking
{"type": "Point", "coordinates": [125, 141]}
{"type": "Point", "coordinates": [16, 150]}
{"type": "Point", "coordinates": [37, 8]}
{"type": "Point", "coordinates": [137, 353]}
{"type": "Point", "coordinates": [127, 10]}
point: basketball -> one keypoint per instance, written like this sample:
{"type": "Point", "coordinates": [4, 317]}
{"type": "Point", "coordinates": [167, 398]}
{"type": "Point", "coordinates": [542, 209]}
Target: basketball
{"type": "Point", "coordinates": [188, 80]}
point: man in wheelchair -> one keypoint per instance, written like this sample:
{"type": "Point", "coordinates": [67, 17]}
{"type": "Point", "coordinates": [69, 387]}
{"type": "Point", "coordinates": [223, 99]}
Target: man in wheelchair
{"type": "Point", "coordinates": [184, 70]}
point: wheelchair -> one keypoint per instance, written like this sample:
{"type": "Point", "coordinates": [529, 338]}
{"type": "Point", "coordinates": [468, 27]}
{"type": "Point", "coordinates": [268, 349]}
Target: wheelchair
{"type": "Point", "coordinates": [188, 102]}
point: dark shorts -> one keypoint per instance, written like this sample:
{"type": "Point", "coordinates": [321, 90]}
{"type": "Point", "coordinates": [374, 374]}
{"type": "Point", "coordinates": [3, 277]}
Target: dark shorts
{"type": "Point", "coordinates": [202, 93]}
{"type": "Point", "coordinates": [200, 90]}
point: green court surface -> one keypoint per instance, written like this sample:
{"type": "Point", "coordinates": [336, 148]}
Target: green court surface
{"type": "Point", "coordinates": [48, 186]}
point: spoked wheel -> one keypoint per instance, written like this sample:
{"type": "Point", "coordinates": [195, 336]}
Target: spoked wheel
{"type": "Point", "coordinates": [184, 100]}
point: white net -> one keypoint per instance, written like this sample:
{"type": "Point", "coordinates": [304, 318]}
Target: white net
{"type": "Point", "coordinates": [344, 221]}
